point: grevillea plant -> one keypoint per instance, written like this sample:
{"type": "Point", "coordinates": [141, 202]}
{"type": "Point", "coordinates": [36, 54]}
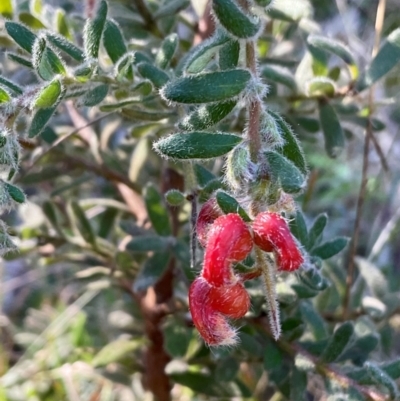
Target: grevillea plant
{"type": "Point", "coordinates": [175, 239]}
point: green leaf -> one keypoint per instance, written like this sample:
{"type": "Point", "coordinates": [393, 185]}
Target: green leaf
{"type": "Point", "coordinates": [206, 88]}
{"type": "Point", "coordinates": [148, 243]}
{"type": "Point", "coordinates": [49, 95]}
{"type": "Point", "coordinates": [298, 384]}
{"type": "Point", "coordinates": [228, 204]}
{"type": "Point", "coordinates": [291, 148]}
{"type": "Point", "coordinates": [174, 197]}
{"type": "Point", "coordinates": [198, 58]}
{"type": "Point", "coordinates": [316, 230]}
{"type": "Point", "coordinates": [45, 61]}
{"type": "Point", "coordinates": [143, 115]}
{"type": "Point", "coordinates": [171, 7]}
{"type": "Point", "coordinates": [66, 46]}
{"type": "Point", "coordinates": [235, 20]}
{"type": "Point", "coordinates": [32, 22]}
{"type": "Point", "coordinates": [283, 170]}
{"type": "Point", "coordinates": [4, 96]}
{"type": "Point", "coordinates": [313, 279]}
{"type": "Point", "coordinates": [381, 378]}
{"type": "Point", "coordinates": [60, 23]}
{"type": "Point", "coordinates": [119, 105]}
{"type": "Point", "coordinates": [83, 224]}
{"type": "Point", "coordinates": [330, 248]}
{"type": "Point", "coordinates": [156, 76]}
{"type": "Point", "coordinates": [11, 85]}
{"type": "Point", "coordinates": [93, 31]}
{"type": "Point", "coordinates": [113, 41]}
{"type": "Point", "coordinates": [152, 270]}
{"type": "Point", "coordinates": [339, 49]}
{"type": "Point", "coordinates": [6, 8]}
{"type": "Point", "coordinates": [338, 342]}
{"type": "Point", "coordinates": [373, 276]}
{"type": "Point", "coordinates": [229, 55]}
{"type": "Point", "coordinates": [321, 86]}
{"type": "Point", "coordinates": [227, 369]}
{"type": "Point", "coordinates": [388, 56]}
{"type": "Point", "coordinates": [16, 193]}
{"type": "Point", "coordinates": [314, 320]}
{"type": "Point", "coordinates": [197, 145]}
{"type": "Point", "coordinates": [298, 227]}
{"type": "Point", "coordinates": [167, 51]}
{"type": "Point", "coordinates": [203, 176]}
{"type": "Point", "coordinates": [20, 60]}
{"type": "Point", "coordinates": [40, 120]}
{"type": "Point", "coordinates": [22, 36]}
{"type": "Point", "coordinates": [359, 350]}
{"type": "Point", "coordinates": [279, 75]}
{"type": "Point", "coordinates": [206, 116]}
{"type": "Point", "coordinates": [94, 96]}
{"type": "Point", "coordinates": [115, 351]}
{"type": "Point", "coordinates": [273, 357]}
{"type": "Point", "coordinates": [176, 340]}
{"type": "Point", "coordinates": [157, 211]}
{"type": "Point", "coordinates": [333, 132]}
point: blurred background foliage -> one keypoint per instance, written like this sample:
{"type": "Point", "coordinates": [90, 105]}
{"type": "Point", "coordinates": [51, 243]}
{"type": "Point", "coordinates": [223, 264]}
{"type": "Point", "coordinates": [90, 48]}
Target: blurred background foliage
{"type": "Point", "coordinates": [94, 304]}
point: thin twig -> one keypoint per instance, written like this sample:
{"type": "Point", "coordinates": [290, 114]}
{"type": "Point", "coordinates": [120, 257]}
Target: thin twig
{"type": "Point", "coordinates": [380, 14]}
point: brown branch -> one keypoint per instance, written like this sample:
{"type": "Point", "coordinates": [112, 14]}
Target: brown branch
{"type": "Point", "coordinates": [148, 19]}
{"type": "Point", "coordinates": [380, 14]}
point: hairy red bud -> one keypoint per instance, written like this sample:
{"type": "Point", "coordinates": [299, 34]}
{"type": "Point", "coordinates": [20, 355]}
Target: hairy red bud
{"type": "Point", "coordinates": [209, 212]}
{"type": "Point", "coordinates": [211, 324]}
{"type": "Point", "coordinates": [272, 233]}
{"type": "Point", "coordinates": [229, 240]}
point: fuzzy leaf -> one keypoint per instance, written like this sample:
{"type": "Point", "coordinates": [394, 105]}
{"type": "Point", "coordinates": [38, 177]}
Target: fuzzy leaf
{"type": "Point", "coordinates": [317, 229]}
{"type": "Point", "coordinates": [6, 8]}
{"type": "Point", "coordinates": [4, 96]}
{"type": "Point", "coordinates": [279, 75]}
{"type": "Point", "coordinates": [283, 170]}
{"type": "Point", "coordinates": [156, 76]}
{"type": "Point", "coordinates": [203, 176]}
{"type": "Point", "coordinates": [152, 271]}
{"type": "Point", "coordinates": [330, 248]}
{"type": "Point", "coordinates": [46, 63]}
{"type": "Point", "coordinates": [66, 46]}
{"type": "Point", "coordinates": [11, 85]}
{"type": "Point", "coordinates": [148, 243]}
{"type": "Point", "coordinates": [16, 193]}
{"type": "Point", "coordinates": [197, 145]}
{"type": "Point", "coordinates": [338, 342]}
{"type": "Point", "coordinates": [93, 31]}
{"type": "Point", "coordinates": [206, 88]}
{"type": "Point", "coordinates": [235, 20]}
{"type": "Point", "coordinates": [314, 320]}
{"type": "Point", "coordinates": [381, 378]}
{"type": "Point", "coordinates": [228, 204]}
{"type": "Point", "coordinates": [20, 60]}
{"type": "Point", "coordinates": [157, 211]}
{"type": "Point", "coordinates": [388, 56]}
{"type": "Point", "coordinates": [167, 51]}
{"type": "Point", "coordinates": [83, 224]}
{"type": "Point", "coordinates": [22, 36]}
{"type": "Point", "coordinates": [49, 95]}
{"type": "Point", "coordinates": [291, 148]}
{"type": "Point", "coordinates": [115, 351]}
{"type": "Point", "coordinates": [171, 7]}
{"type": "Point", "coordinates": [332, 129]}
{"type": "Point", "coordinates": [40, 120]}
{"type": "Point", "coordinates": [174, 197]}
{"type": "Point", "coordinates": [298, 227]}
{"type": "Point", "coordinates": [229, 55]}
{"type": "Point", "coordinates": [113, 41]}
{"type": "Point", "coordinates": [321, 86]}
{"type": "Point", "coordinates": [94, 96]}
{"type": "Point", "coordinates": [206, 116]}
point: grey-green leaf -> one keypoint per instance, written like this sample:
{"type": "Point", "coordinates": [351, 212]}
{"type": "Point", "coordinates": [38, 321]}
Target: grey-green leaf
{"type": "Point", "coordinates": [146, 243]}
{"type": "Point", "coordinates": [330, 248]}
{"type": "Point", "coordinates": [113, 41]}
{"type": "Point", "coordinates": [49, 95]}
{"type": "Point", "coordinates": [94, 96]}
{"type": "Point", "coordinates": [338, 342]}
{"type": "Point", "coordinates": [228, 204]}
{"type": "Point", "coordinates": [388, 56]}
{"type": "Point", "coordinates": [332, 129]}
{"type": "Point", "coordinates": [23, 36]}
{"type": "Point", "coordinates": [157, 211]}
{"type": "Point", "coordinates": [83, 224]}
{"type": "Point", "coordinates": [11, 85]}
{"type": "Point", "coordinates": [229, 55]}
{"type": "Point", "coordinates": [16, 193]}
{"type": "Point", "coordinates": [93, 31]}
{"type": "Point", "coordinates": [66, 46]}
{"type": "Point", "coordinates": [283, 170]}
{"type": "Point", "coordinates": [291, 149]}
{"type": "Point", "coordinates": [156, 76]}
{"type": "Point", "coordinates": [235, 20]}
{"type": "Point", "coordinates": [167, 51]}
{"type": "Point", "coordinates": [197, 145]}
{"type": "Point", "coordinates": [207, 88]}
{"type": "Point", "coordinates": [280, 75]}
{"type": "Point", "coordinates": [317, 229]}
{"type": "Point", "coordinates": [40, 120]}
{"type": "Point", "coordinates": [206, 116]}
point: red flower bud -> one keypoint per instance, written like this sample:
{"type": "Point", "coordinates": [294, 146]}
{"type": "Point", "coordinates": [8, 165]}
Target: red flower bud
{"type": "Point", "coordinates": [233, 301]}
{"type": "Point", "coordinates": [211, 324]}
{"type": "Point", "coordinates": [229, 240]}
{"type": "Point", "coordinates": [272, 233]}
{"type": "Point", "coordinates": [209, 212]}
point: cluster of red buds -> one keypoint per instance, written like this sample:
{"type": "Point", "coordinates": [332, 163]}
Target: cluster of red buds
{"type": "Point", "coordinates": [218, 293]}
